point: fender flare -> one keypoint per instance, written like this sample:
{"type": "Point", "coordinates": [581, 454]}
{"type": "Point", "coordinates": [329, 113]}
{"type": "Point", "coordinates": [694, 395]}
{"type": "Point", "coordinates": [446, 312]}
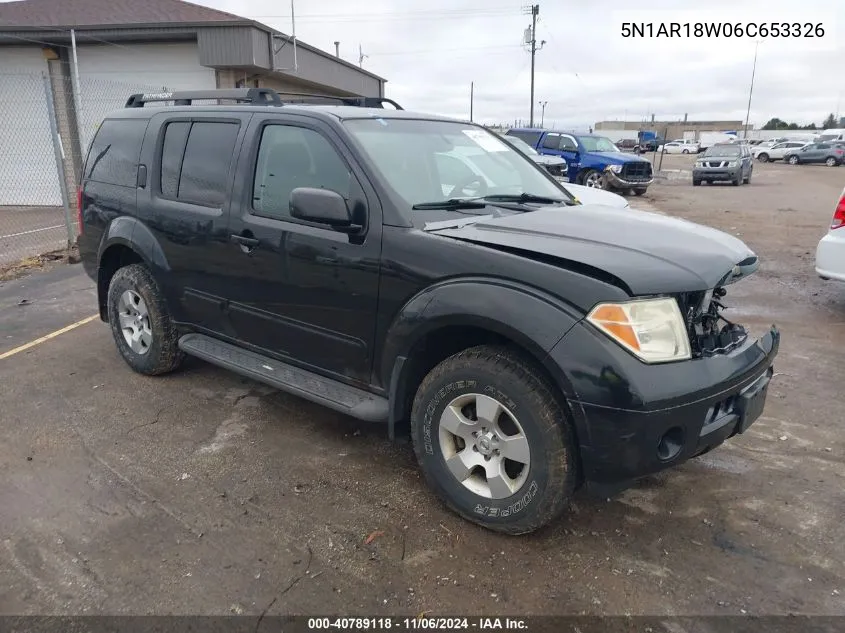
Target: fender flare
{"type": "Point", "coordinates": [532, 319]}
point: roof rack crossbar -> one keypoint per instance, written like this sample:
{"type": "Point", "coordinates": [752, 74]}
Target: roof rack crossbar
{"type": "Point", "coordinates": [254, 96]}
{"type": "Point", "coordinates": [257, 96]}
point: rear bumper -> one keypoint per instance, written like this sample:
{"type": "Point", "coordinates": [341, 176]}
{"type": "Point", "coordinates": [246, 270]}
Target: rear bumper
{"type": "Point", "coordinates": [634, 419]}
{"type": "Point", "coordinates": [830, 256]}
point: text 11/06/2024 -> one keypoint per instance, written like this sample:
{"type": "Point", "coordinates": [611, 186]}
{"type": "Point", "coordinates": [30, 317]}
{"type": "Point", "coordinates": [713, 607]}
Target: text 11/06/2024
{"type": "Point", "coordinates": [402, 624]}
{"type": "Point", "coordinates": [752, 30]}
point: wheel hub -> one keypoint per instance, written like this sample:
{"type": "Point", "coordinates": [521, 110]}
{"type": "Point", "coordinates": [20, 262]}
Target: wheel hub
{"type": "Point", "coordinates": [487, 444]}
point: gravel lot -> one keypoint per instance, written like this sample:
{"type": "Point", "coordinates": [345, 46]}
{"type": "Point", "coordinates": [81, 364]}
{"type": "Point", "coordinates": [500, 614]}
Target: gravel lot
{"type": "Point", "coordinates": [205, 493]}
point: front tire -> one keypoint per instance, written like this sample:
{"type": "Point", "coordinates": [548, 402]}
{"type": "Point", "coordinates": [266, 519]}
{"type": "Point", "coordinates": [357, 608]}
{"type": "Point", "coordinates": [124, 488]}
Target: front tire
{"type": "Point", "coordinates": [639, 192]}
{"type": "Point", "coordinates": [793, 160]}
{"type": "Point", "coordinates": [141, 323]}
{"type": "Point", "coordinates": [763, 157]}
{"type": "Point", "coordinates": [592, 178]}
{"type": "Point", "coordinates": [696, 182]}
{"type": "Point", "coordinates": [493, 440]}
{"type": "Point", "coordinates": [685, 151]}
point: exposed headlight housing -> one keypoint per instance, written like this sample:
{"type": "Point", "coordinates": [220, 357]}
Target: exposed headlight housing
{"type": "Point", "coordinates": [651, 329]}
{"type": "Point", "coordinates": [616, 168]}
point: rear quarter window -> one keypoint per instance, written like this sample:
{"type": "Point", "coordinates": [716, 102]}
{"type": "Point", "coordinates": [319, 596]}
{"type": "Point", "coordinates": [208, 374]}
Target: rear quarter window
{"type": "Point", "coordinates": [529, 137]}
{"type": "Point", "coordinates": [113, 156]}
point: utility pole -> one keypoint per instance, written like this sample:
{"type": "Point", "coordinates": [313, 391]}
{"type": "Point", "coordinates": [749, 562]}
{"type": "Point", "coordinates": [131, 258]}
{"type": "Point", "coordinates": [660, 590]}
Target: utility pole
{"type": "Point", "coordinates": [751, 89]}
{"type": "Point", "coordinates": [543, 112]}
{"type": "Point", "coordinates": [361, 57]}
{"type": "Point", "coordinates": [471, 96]}
{"type": "Point", "coordinates": [534, 9]}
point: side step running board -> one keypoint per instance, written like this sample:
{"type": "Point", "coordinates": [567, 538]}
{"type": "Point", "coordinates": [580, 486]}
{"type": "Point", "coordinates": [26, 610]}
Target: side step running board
{"type": "Point", "coordinates": [299, 382]}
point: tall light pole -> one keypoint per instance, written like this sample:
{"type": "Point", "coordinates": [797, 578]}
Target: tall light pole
{"type": "Point", "coordinates": [751, 89]}
{"type": "Point", "coordinates": [542, 111]}
{"type": "Point", "coordinates": [471, 97]}
{"type": "Point", "coordinates": [534, 9]}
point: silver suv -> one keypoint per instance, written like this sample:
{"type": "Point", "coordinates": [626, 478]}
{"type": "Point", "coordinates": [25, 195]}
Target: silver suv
{"type": "Point", "coordinates": [724, 161]}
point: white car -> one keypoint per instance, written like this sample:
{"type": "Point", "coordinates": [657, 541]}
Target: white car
{"type": "Point", "coordinates": [776, 152]}
{"type": "Point", "coordinates": [679, 147]}
{"type": "Point", "coordinates": [830, 254]}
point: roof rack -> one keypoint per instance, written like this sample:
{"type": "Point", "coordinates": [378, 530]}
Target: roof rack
{"type": "Point", "coordinates": [253, 96]}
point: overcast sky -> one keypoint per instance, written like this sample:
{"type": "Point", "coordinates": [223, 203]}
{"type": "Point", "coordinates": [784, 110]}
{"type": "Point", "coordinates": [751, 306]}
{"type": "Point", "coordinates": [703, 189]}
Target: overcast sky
{"type": "Point", "coordinates": [430, 51]}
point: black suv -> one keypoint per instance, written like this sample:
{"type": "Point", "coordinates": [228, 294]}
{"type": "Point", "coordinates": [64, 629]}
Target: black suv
{"type": "Point", "coordinates": [527, 344]}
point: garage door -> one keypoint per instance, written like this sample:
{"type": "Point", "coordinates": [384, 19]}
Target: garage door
{"type": "Point", "coordinates": [28, 175]}
{"type": "Point", "coordinates": [110, 73]}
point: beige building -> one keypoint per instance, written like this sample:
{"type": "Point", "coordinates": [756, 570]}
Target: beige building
{"type": "Point", "coordinates": [671, 129]}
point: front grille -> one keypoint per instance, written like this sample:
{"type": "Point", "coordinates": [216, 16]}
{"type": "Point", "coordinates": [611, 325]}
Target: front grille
{"type": "Point", "coordinates": [637, 170]}
{"type": "Point", "coordinates": [716, 163]}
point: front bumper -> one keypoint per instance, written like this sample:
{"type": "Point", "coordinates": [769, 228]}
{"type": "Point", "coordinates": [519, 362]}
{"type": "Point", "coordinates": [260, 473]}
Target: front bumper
{"type": "Point", "coordinates": [634, 419]}
{"type": "Point", "coordinates": [830, 256]}
{"type": "Point", "coordinates": [615, 181]}
{"type": "Point", "coordinates": [716, 173]}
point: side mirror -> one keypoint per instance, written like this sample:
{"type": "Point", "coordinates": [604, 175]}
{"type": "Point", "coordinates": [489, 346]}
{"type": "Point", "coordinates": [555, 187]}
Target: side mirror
{"type": "Point", "coordinates": [323, 206]}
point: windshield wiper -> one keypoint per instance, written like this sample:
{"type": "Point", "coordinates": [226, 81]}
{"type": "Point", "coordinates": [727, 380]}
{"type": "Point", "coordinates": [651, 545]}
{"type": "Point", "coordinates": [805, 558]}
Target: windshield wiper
{"type": "Point", "coordinates": [523, 198]}
{"type": "Point", "coordinates": [450, 204]}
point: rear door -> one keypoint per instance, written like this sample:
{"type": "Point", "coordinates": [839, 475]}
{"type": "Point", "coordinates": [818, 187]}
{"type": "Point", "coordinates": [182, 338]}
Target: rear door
{"type": "Point", "coordinates": [185, 181]}
{"type": "Point", "coordinates": [306, 293]}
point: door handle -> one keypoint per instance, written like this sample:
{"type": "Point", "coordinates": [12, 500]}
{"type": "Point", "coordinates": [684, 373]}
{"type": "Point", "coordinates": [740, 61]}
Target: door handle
{"type": "Point", "coordinates": [247, 243]}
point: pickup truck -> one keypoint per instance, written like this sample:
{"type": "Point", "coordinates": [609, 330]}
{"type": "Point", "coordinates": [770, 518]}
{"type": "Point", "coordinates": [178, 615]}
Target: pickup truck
{"type": "Point", "coordinates": [594, 161]}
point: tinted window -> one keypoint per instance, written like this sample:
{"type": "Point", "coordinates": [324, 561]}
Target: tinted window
{"type": "Point", "coordinates": [823, 146]}
{"type": "Point", "coordinates": [175, 135]}
{"type": "Point", "coordinates": [552, 141]}
{"type": "Point", "coordinates": [597, 144]}
{"type": "Point", "coordinates": [291, 157]}
{"type": "Point", "coordinates": [722, 150]}
{"type": "Point", "coordinates": [205, 168]}
{"type": "Point", "coordinates": [532, 138]}
{"type": "Point", "coordinates": [113, 157]}
{"type": "Point", "coordinates": [567, 143]}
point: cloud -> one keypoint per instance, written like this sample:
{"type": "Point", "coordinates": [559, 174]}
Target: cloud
{"type": "Point", "coordinates": [430, 52]}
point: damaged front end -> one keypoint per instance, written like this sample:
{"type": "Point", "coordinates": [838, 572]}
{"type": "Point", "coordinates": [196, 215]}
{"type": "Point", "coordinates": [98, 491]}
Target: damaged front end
{"type": "Point", "coordinates": [710, 333]}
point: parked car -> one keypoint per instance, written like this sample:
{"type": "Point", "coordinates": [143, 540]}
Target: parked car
{"type": "Point", "coordinates": [708, 139]}
{"type": "Point", "coordinates": [678, 147]}
{"type": "Point", "coordinates": [555, 165]}
{"type": "Point", "coordinates": [585, 195]}
{"type": "Point", "coordinates": [594, 161]}
{"type": "Point", "coordinates": [526, 344]}
{"type": "Point", "coordinates": [724, 161]}
{"type": "Point", "coordinates": [827, 153]}
{"type": "Point", "coordinates": [627, 145]}
{"type": "Point", "coordinates": [830, 253]}
{"type": "Point", "coordinates": [775, 152]}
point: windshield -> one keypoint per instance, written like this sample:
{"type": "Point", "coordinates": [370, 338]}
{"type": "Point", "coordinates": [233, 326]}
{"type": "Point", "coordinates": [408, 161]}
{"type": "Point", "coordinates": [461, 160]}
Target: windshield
{"type": "Point", "coordinates": [722, 150]}
{"type": "Point", "coordinates": [521, 145]}
{"type": "Point", "coordinates": [597, 144]}
{"type": "Point", "coordinates": [427, 161]}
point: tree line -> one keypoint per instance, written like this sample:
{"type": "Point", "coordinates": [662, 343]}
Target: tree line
{"type": "Point", "coordinates": [779, 124]}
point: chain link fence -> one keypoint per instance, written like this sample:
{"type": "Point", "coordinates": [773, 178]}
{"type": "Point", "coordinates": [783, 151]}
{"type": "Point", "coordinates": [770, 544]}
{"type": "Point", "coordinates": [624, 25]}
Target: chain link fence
{"type": "Point", "coordinates": [46, 128]}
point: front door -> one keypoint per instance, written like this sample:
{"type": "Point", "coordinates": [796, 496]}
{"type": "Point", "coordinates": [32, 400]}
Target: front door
{"type": "Point", "coordinates": [306, 292]}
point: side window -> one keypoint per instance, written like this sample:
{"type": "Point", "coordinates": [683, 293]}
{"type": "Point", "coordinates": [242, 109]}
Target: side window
{"type": "Point", "coordinates": [113, 156]}
{"type": "Point", "coordinates": [290, 157]}
{"type": "Point", "coordinates": [551, 141]}
{"type": "Point", "coordinates": [529, 137]}
{"type": "Point", "coordinates": [823, 146]}
{"type": "Point", "coordinates": [568, 144]}
{"type": "Point", "coordinates": [205, 167]}
{"type": "Point", "coordinates": [175, 137]}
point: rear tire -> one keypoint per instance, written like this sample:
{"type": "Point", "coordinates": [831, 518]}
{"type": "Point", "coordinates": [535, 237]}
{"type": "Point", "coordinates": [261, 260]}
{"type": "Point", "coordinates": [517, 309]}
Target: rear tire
{"type": "Point", "coordinates": [831, 162]}
{"type": "Point", "coordinates": [462, 423]}
{"type": "Point", "coordinates": [141, 323]}
{"type": "Point", "coordinates": [793, 160]}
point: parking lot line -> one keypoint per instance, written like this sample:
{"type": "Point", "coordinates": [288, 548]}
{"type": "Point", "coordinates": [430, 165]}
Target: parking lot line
{"type": "Point", "coordinates": [46, 228]}
{"type": "Point", "coordinates": [43, 339]}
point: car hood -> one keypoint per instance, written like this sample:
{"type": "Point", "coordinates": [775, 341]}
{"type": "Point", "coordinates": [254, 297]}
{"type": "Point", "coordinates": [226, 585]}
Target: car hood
{"type": "Point", "coordinates": [594, 195]}
{"type": "Point", "coordinates": [647, 252]}
{"type": "Point", "coordinates": [546, 159]}
{"type": "Point", "coordinates": [618, 158]}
